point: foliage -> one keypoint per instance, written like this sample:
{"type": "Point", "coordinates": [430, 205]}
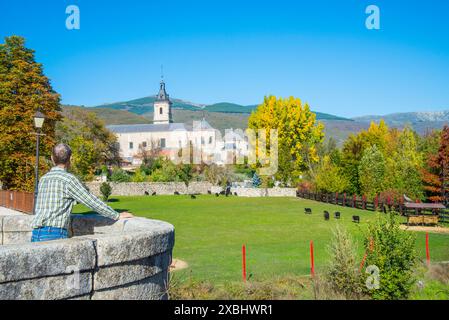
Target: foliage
{"type": "Point", "coordinates": [23, 89]}
{"type": "Point", "coordinates": [218, 175]}
{"type": "Point", "coordinates": [92, 144]}
{"type": "Point", "coordinates": [119, 175]}
{"type": "Point", "coordinates": [139, 176]}
{"type": "Point", "coordinates": [298, 135]}
{"type": "Point", "coordinates": [404, 166]}
{"type": "Point", "coordinates": [329, 177]}
{"type": "Point", "coordinates": [392, 250]}
{"type": "Point", "coordinates": [342, 274]}
{"type": "Point", "coordinates": [372, 171]}
{"type": "Point", "coordinates": [105, 190]}
{"type": "Point", "coordinates": [256, 180]}
{"type": "Point", "coordinates": [436, 177]}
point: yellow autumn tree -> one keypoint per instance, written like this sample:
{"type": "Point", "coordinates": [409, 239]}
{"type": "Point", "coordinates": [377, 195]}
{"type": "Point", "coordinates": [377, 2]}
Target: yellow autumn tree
{"type": "Point", "coordinates": [298, 135]}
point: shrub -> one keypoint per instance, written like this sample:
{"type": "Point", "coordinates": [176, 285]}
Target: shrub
{"type": "Point", "coordinates": [139, 176]}
{"type": "Point", "coordinates": [119, 175]}
{"type": "Point", "coordinates": [256, 180]}
{"type": "Point", "coordinates": [105, 190]}
{"type": "Point", "coordinates": [342, 274]}
{"type": "Point", "coordinates": [392, 250]}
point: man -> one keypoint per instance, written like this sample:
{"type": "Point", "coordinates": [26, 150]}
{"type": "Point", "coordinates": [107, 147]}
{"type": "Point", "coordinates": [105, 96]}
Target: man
{"type": "Point", "coordinates": [59, 190]}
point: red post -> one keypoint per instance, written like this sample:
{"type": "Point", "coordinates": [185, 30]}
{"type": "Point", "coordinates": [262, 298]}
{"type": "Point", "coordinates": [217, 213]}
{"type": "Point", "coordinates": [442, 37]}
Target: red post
{"type": "Point", "coordinates": [244, 263]}
{"type": "Point", "coordinates": [344, 199]}
{"type": "Point", "coordinates": [336, 198]}
{"type": "Point", "coordinates": [354, 198]}
{"type": "Point", "coordinates": [427, 249]}
{"type": "Point", "coordinates": [312, 260]}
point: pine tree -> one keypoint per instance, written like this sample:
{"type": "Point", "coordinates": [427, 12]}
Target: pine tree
{"type": "Point", "coordinates": [436, 177]}
{"type": "Point", "coordinates": [23, 90]}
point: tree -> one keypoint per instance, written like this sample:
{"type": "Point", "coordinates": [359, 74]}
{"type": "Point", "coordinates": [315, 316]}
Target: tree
{"type": "Point", "coordinates": [329, 178]}
{"type": "Point", "coordinates": [256, 180]}
{"type": "Point", "coordinates": [342, 273]}
{"type": "Point", "coordinates": [392, 251]}
{"type": "Point", "coordinates": [372, 171]}
{"type": "Point", "coordinates": [92, 144]}
{"type": "Point", "coordinates": [23, 90]}
{"type": "Point", "coordinates": [404, 166]}
{"type": "Point", "coordinates": [298, 134]}
{"type": "Point", "coordinates": [352, 154]}
{"type": "Point", "coordinates": [436, 177]}
{"type": "Point", "coordinates": [105, 190]}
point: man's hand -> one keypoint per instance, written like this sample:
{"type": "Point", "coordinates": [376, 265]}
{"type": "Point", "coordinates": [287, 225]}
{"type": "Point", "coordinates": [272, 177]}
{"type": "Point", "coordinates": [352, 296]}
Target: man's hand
{"type": "Point", "coordinates": [126, 215]}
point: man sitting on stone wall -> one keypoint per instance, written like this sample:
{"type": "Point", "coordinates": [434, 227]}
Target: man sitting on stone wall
{"type": "Point", "coordinates": [59, 190]}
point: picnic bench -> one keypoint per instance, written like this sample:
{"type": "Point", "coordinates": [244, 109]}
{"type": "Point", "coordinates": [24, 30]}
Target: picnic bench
{"type": "Point", "coordinates": [419, 217]}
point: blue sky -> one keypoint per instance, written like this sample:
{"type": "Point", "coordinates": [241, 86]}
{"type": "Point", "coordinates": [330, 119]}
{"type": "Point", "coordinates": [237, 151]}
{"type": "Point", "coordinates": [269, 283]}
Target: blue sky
{"type": "Point", "coordinates": [239, 51]}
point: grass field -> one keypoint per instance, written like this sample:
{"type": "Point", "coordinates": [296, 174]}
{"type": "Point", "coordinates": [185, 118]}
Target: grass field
{"type": "Point", "coordinates": [210, 232]}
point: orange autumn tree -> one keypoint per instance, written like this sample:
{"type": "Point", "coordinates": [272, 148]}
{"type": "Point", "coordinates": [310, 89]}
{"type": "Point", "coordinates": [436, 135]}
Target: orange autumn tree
{"type": "Point", "coordinates": [23, 89]}
{"type": "Point", "coordinates": [436, 176]}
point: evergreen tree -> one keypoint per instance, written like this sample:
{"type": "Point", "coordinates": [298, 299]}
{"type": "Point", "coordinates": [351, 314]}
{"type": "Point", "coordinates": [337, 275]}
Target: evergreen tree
{"type": "Point", "coordinates": [256, 181]}
{"type": "Point", "coordinates": [23, 90]}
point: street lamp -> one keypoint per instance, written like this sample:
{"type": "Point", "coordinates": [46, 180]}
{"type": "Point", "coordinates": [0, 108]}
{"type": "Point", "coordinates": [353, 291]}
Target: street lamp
{"type": "Point", "coordinates": [39, 119]}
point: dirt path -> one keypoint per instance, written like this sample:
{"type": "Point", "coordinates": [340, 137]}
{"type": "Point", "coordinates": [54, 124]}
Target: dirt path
{"type": "Point", "coordinates": [178, 265]}
{"type": "Point", "coordinates": [425, 229]}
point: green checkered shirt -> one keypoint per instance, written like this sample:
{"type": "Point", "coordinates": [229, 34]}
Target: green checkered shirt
{"type": "Point", "coordinates": [58, 193]}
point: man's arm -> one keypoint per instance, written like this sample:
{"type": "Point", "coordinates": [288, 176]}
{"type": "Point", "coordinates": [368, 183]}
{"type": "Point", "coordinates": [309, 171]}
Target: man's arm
{"type": "Point", "coordinates": [78, 192]}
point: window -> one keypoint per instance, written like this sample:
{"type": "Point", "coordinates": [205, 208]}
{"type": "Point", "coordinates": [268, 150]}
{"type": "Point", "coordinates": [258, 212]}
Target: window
{"type": "Point", "coordinates": [162, 143]}
{"type": "Point", "coordinates": [211, 139]}
{"type": "Point", "coordinates": [202, 140]}
{"type": "Point", "coordinates": [160, 110]}
{"type": "Point", "coordinates": [144, 144]}
{"type": "Point", "coordinates": [131, 145]}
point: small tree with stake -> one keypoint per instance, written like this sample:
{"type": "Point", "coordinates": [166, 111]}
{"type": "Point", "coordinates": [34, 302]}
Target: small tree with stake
{"type": "Point", "coordinates": [105, 190]}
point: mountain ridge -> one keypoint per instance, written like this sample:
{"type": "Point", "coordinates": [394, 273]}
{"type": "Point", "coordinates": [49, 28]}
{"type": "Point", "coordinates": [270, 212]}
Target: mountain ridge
{"type": "Point", "coordinates": [144, 105]}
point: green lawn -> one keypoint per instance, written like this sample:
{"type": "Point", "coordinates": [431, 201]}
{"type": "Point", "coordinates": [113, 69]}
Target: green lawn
{"type": "Point", "coordinates": [210, 232]}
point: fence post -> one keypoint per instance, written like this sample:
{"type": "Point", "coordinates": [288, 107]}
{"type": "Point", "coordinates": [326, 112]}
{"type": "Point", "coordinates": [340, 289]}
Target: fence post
{"type": "Point", "coordinates": [244, 263]}
{"type": "Point", "coordinates": [376, 199]}
{"type": "Point", "coordinates": [312, 260]}
{"type": "Point", "coordinates": [344, 199]}
{"type": "Point", "coordinates": [364, 202]}
{"type": "Point", "coordinates": [354, 199]}
{"type": "Point", "coordinates": [336, 197]}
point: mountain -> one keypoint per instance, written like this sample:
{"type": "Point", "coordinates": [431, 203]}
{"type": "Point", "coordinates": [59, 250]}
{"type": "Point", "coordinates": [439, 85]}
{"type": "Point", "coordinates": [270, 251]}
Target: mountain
{"type": "Point", "coordinates": [408, 117]}
{"type": "Point", "coordinates": [144, 105]}
{"type": "Point", "coordinates": [111, 116]}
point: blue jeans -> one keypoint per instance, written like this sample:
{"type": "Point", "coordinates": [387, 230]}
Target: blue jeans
{"type": "Point", "coordinates": [48, 234]}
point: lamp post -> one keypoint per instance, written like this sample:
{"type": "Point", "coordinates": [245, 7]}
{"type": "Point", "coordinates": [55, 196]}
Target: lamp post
{"type": "Point", "coordinates": [39, 119]}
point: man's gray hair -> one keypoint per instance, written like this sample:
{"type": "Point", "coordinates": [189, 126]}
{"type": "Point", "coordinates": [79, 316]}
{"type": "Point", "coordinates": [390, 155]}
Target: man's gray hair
{"type": "Point", "coordinates": [61, 153]}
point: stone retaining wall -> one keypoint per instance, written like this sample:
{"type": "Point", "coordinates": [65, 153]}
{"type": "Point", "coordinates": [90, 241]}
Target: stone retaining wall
{"type": "Point", "coordinates": [128, 259]}
{"type": "Point", "coordinates": [264, 192]}
{"type": "Point", "coordinates": [161, 188]}
{"type": "Point", "coordinates": [169, 188]}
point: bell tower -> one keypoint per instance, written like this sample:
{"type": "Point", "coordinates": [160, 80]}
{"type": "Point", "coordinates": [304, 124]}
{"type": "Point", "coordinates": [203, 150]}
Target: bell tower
{"type": "Point", "coordinates": [162, 106]}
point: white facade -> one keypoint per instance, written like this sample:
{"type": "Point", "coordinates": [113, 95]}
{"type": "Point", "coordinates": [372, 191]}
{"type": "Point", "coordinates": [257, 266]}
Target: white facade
{"type": "Point", "coordinates": [169, 137]}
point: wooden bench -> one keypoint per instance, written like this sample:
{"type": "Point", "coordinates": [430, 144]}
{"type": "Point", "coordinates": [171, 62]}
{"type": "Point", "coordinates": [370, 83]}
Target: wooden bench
{"type": "Point", "coordinates": [422, 219]}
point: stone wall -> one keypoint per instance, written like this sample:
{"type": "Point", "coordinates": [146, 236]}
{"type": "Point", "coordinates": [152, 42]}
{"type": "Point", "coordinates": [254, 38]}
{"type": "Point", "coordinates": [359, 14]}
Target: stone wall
{"type": "Point", "coordinates": [161, 188]}
{"type": "Point", "coordinates": [264, 192]}
{"type": "Point", "coordinates": [128, 259]}
{"type": "Point", "coordinates": [169, 188]}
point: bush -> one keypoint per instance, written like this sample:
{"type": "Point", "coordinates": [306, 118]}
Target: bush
{"type": "Point", "coordinates": [392, 250]}
{"type": "Point", "coordinates": [256, 180]}
{"type": "Point", "coordinates": [342, 274]}
{"type": "Point", "coordinates": [119, 175]}
{"type": "Point", "coordinates": [139, 176]}
{"type": "Point", "coordinates": [105, 190]}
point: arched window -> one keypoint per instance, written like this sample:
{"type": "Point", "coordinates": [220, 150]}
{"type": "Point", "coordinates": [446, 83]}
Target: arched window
{"type": "Point", "coordinates": [160, 110]}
